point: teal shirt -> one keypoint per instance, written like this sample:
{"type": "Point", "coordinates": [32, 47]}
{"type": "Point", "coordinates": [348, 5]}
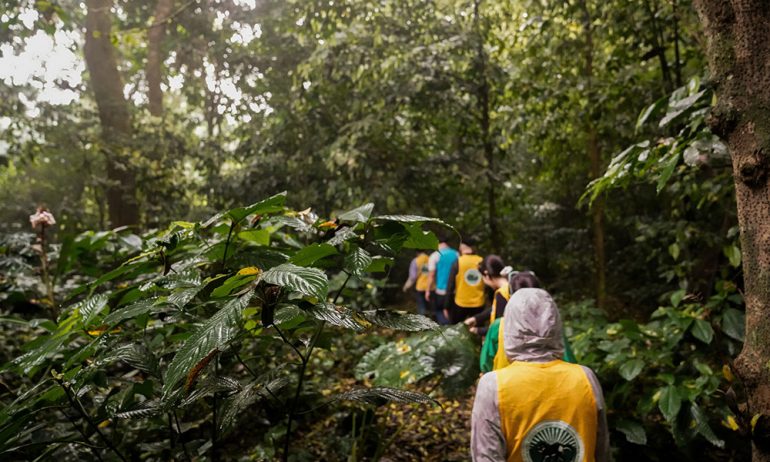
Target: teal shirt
{"type": "Point", "coordinates": [489, 349]}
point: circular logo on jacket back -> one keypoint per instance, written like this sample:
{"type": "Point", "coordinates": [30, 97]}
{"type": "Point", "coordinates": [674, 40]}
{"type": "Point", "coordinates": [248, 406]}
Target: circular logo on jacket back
{"type": "Point", "coordinates": [472, 277]}
{"type": "Point", "coordinates": [552, 441]}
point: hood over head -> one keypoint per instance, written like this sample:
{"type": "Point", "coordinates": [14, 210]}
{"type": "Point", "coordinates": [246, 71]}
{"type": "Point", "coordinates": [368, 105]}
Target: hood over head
{"type": "Point", "coordinates": [532, 329]}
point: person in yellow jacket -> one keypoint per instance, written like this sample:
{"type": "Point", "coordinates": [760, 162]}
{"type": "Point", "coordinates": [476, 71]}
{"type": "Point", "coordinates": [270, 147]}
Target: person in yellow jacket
{"type": "Point", "coordinates": [538, 408]}
{"type": "Point", "coordinates": [465, 291]}
{"type": "Point", "coordinates": [494, 273]}
{"type": "Point", "coordinates": [418, 277]}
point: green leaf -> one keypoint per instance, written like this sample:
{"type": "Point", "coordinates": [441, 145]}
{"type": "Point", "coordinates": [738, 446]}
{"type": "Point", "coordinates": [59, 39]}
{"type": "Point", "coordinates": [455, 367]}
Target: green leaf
{"type": "Point", "coordinates": [214, 334]}
{"type": "Point", "coordinates": [399, 320]}
{"type": "Point", "coordinates": [256, 236]}
{"type": "Point", "coordinates": [357, 261]}
{"type": "Point", "coordinates": [131, 311]}
{"type": "Point", "coordinates": [419, 239]}
{"type": "Point", "coordinates": [378, 395]}
{"type": "Point", "coordinates": [673, 250]}
{"type": "Point", "coordinates": [703, 331]}
{"type": "Point", "coordinates": [91, 307]}
{"type": "Point", "coordinates": [134, 355]}
{"type": "Point", "coordinates": [653, 108]}
{"type": "Point", "coordinates": [667, 171]}
{"type": "Point", "coordinates": [734, 323]}
{"type": "Point", "coordinates": [733, 253]}
{"type": "Point", "coordinates": [630, 369]}
{"type": "Point", "coordinates": [342, 235]}
{"type": "Point", "coordinates": [339, 316]}
{"type": "Point", "coordinates": [359, 215]}
{"type": "Point", "coordinates": [702, 426]}
{"type": "Point", "coordinates": [181, 297]}
{"type": "Point", "coordinates": [270, 205]}
{"type": "Point", "coordinates": [634, 431]}
{"type": "Point", "coordinates": [232, 283]}
{"type": "Point", "coordinates": [670, 402]}
{"type": "Point", "coordinates": [676, 297]}
{"type": "Point", "coordinates": [379, 265]}
{"type": "Point", "coordinates": [411, 219]}
{"type": "Point", "coordinates": [311, 282]}
{"type": "Point", "coordinates": [312, 253]}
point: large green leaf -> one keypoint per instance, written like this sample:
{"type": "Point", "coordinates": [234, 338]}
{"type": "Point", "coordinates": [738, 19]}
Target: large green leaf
{"type": "Point", "coordinates": [399, 320]}
{"type": "Point", "coordinates": [419, 239]}
{"type": "Point", "coordinates": [359, 214]}
{"type": "Point", "coordinates": [634, 431]}
{"type": "Point", "coordinates": [312, 253]}
{"type": "Point", "coordinates": [411, 219]}
{"type": "Point", "coordinates": [343, 234]}
{"type": "Point", "coordinates": [734, 323]}
{"type": "Point", "coordinates": [91, 307]}
{"type": "Point", "coordinates": [131, 311]}
{"type": "Point", "coordinates": [357, 261]}
{"type": "Point", "coordinates": [670, 402]}
{"type": "Point", "coordinates": [702, 426]}
{"type": "Point", "coordinates": [214, 334]}
{"type": "Point", "coordinates": [379, 395]}
{"type": "Point", "coordinates": [630, 369]}
{"type": "Point", "coordinates": [311, 282]}
{"type": "Point", "coordinates": [256, 236]}
{"type": "Point", "coordinates": [703, 331]}
{"type": "Point", "coordinates": [339, 316]}
{"type": "Point", "coordinates": [272, 204]}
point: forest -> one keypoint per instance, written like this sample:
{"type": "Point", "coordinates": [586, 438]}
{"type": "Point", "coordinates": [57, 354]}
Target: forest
{"type": "Point", "coordinates": [209, 209]}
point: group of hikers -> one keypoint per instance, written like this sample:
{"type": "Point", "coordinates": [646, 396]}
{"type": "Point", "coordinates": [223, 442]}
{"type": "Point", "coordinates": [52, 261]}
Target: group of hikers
{"type": "Point", "coordinates": [534, 402]}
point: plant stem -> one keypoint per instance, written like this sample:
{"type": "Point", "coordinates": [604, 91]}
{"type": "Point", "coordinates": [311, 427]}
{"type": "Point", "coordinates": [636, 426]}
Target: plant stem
{"type": "Point", "coordinates": [75, 403]}
{"type": "Point", "coordinates": [179, 430]}
{"type": "Point", "coordinates": [305, 360]}
{"type": "Point", "coordinates": [80, 430]}
{"type": "Point", "coordinates": [214, 427]}
{"type": "Point", "coordinates": [227, 243]}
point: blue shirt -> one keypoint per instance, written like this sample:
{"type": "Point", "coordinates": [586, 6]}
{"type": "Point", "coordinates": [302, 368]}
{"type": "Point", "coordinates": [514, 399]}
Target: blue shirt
{"type": "Point", "coordinates": [443, 267]}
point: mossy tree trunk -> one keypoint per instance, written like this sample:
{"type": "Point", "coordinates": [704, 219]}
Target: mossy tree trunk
{"type": "Point", "coordinates": [155, 55]}
{"type": "Point", "coordinates": [114, 115]}
{"type": "Point", "coordinates": [738, 50]}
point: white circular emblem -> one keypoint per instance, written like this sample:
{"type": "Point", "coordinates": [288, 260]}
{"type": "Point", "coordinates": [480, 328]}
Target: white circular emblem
{"type": "Point", "coordinates": [552, 441]}
{"type": "Point", "coordinates": [472, 277]}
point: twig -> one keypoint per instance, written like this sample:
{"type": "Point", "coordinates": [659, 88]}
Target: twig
{"type": "Point", "coordinates": [75, 403]}
{"type": "Point", "coordinates": [179, 430]}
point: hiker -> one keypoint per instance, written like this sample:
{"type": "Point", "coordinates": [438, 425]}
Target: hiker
{"type": "Point", "coordinates": [539, 407]}
{"type": "Point", "coordinates": [492, 355]}
{"type": "Point", "coordinates": [418, 277]}
{"type": "Point", "coordinates": [439, 264]}
{"type": "Point", "coordinates": [465, 290]}
{"type": "Point", "coordinates": [494, 273]}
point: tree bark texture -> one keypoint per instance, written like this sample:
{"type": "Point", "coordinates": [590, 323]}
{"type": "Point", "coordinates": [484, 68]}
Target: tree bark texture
{"type": "Point", "coordinates": [155, 55]}
{"type": "Point", "coordinates": [595, 157]}
{"type": "Point", "coordinates": [738, 50]}
{"type": "Point", "coordinates": [113, 113]}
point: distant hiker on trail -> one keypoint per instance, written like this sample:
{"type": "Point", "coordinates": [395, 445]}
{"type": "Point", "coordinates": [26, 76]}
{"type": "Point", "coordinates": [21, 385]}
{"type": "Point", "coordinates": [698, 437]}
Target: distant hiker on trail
{"type": "Point", "coordinates": [494, 273]}
{"type": "Point", "coordinates": [493, 355]}
{"type": "Point", "coordinates": [418, 276]}
{"type": "Point", "coordinates": [439, 264]}
{"type": "Point", "coordinates": [465, 290]}
{"type": "Point", "coordinates": [539, 408]}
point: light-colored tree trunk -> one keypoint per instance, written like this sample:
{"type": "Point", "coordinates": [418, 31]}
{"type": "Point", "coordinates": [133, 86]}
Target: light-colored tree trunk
{"type": "Point", "coordinates": [738, 50]}
{"type": "Point", "coordinates": [155, 55]}
{"type": "Point", "coordinates": [113, 113]}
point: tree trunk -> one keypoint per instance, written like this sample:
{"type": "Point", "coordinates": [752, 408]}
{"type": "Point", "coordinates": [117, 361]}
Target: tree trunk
{"type": "Point", "coordinates": [486, 137]}
{"type": "Point", "coordinates": [595, 156]}
{"type": "Point", "coordinates": [738, 51]}
{"type": "Point", "coordinates": [155, 55]}
{"type": "Point", "coordinates": [113, 113]}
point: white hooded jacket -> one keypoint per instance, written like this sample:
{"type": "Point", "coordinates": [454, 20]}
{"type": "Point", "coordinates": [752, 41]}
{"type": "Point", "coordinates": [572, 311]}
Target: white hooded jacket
{"type": "Point", "coordinates": [532, 333]}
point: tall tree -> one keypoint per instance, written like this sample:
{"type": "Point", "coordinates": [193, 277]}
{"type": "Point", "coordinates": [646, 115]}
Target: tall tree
{"type": "Point", "coordinates": [153, 69]}
{"type": "Point", "coordinates": [114, 115]}
{"type": "Point", "coordinates": [739, 59]}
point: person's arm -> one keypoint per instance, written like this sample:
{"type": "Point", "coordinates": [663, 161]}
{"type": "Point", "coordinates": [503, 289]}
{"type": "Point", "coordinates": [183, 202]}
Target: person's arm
{"type": "Point", "coordinates": [602, 431]}
{"type": "Point", "coordinates": [481, 318]}
{"type": "Point", "coordinates": [432, 260]}
{"type": "Point", "coordinates": [487, 440]}
{"type": "Point", "coordinates": [500, 303]}
{"type": "Point", "coordinates": [412, 275]}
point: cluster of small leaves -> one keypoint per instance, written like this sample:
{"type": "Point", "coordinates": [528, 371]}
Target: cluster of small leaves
{"type": "Point", "coordinates": [196, 329]}
{"type": "Point", "coordinates": [672, 372]}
